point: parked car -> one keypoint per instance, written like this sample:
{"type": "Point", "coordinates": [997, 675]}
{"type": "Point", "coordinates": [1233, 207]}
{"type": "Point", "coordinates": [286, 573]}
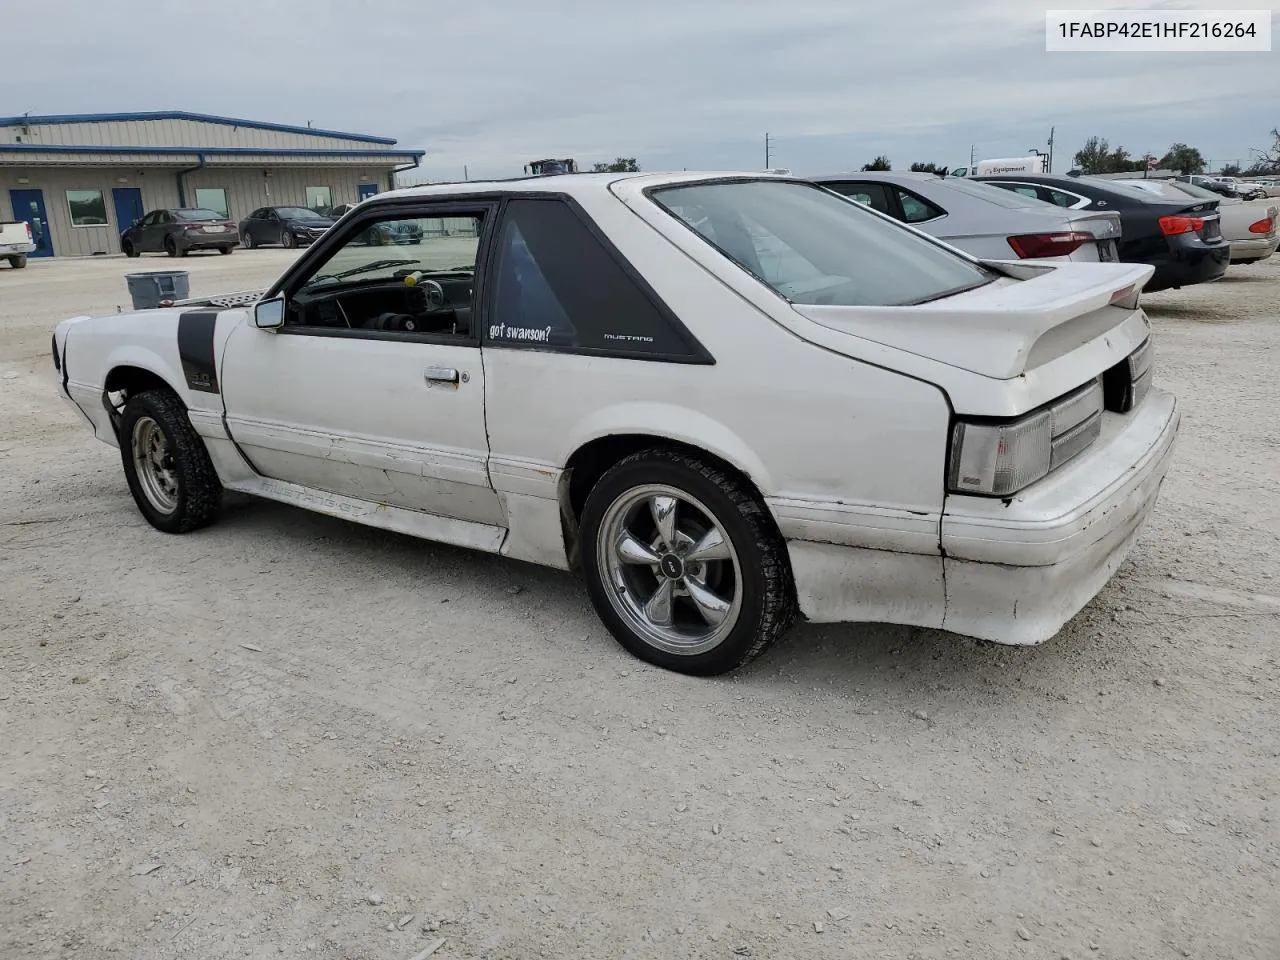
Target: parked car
{"type": "Point", "coordinates": [383, 234]}
{"type": "Point", "coordinates": [1249, 226]}
{"type": "Point", "coordinates": [982, 219]}
{"type": "Point", "coordinates": [1182, 240]}
{"type": "Point", "coordinates": [179, 231]}
{"type": "Point", "coordinates": [16, 242]}
{"type": "Point", "coordinates": [287, 226]}
{"type": "Point", "coordinates": [728, 400]}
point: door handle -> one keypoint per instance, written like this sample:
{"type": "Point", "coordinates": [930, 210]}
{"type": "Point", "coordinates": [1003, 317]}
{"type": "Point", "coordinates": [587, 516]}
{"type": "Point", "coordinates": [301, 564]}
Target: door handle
{"type": "Point", "coordinates": [441, 375]}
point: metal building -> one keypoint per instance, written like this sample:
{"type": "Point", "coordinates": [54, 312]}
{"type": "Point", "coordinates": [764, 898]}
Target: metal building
{"type": "Point", "coordinates": [82, 179]}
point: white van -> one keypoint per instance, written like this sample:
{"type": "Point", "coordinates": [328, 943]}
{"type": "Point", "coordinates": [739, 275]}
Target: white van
{"type": "Point", "coordinates": [1004, 165]}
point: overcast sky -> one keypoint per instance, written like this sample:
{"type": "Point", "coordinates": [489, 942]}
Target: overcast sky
{"type": "Point", "coordinates": [493, 84]}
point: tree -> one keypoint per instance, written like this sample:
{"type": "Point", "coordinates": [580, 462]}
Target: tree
{"type": "Point", "coordinates": [1183, 158]}
{"type": "Point", "coordinates": [1268, 161]}
{"type": "Point", "coordinates": [1096, 156]}
{"type": "Point", "coordinates": [879, 163]}
{"type": "Point", "coordinates": [927, 168]}
{"type": "Point", "coordinates": [1230, 170]}
{"type": "Point", "coordinates": [620, 165]}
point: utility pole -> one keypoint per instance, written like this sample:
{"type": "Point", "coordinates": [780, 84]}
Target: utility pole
{"type": "Point", "coordinates": [1050, 169]}
{"type": "Point", "coordinates": [465, 174]}
{"type": "Point", "coordinates": [767, 158]}
{"type": "Point", "coordinates": [973, 156]}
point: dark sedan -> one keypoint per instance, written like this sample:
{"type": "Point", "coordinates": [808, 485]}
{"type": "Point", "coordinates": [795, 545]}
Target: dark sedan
{"type": "Point", "coordinates": [1183, 241]}
{"type": "Point", "coordinates": [381, 234]}
{"type": "Point", "coordinates": [178, 232]}
{"type": "Point", "coordinates": [288, 226]}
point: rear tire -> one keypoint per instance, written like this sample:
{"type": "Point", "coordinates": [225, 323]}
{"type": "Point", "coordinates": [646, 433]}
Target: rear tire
{"type": "Point", "coordinates": [18, 262]}
{"type": "Point", "coordinates": [166, 464]}
{"type": "Point", "coordinates": [170, 247]}
{"type": "Point", "coordinates": [225, 250]}
{"type": "Point", "coordinates": [700, 589]}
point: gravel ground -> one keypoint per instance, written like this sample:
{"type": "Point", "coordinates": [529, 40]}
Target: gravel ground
{"type": "Point", "coordinates": [292, 735]}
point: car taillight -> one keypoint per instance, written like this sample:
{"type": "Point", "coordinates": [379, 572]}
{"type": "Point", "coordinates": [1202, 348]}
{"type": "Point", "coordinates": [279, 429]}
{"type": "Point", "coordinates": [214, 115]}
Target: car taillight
{"type": "Point", "coordinates": [1174, 226]}
{"type": "Point", "coordinates": [1262, 226]}
{"type": "Point", "coordinates": [30, 238]}
{"type": "Point", "coordinates": [1035, 245]}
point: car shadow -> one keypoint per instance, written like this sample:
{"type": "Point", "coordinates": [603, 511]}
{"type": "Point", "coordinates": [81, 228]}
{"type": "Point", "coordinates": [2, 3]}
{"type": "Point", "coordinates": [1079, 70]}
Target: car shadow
{"type": "Point", "coordinates": [837, 657]}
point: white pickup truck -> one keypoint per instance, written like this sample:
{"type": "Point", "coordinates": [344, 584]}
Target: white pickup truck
{"type": "Point", "coordinates": [16, 242]}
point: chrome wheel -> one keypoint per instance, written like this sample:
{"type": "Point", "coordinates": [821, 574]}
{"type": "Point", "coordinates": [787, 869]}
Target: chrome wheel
{"type": "Point", "coordinates": [671, 572]}
{"type": "Point", "coordinates": [157, 473]}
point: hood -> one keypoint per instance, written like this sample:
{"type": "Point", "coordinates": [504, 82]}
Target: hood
{"type": "Point", "coordinates": [1007, 327]}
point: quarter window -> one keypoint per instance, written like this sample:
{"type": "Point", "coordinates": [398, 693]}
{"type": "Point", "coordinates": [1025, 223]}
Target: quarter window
{"type": "Point", "coordinates": [557, 285]}
{"type": "Point", "coordinates": [213, 198]}
{"type": "Point", "coordinates": [917, 209]}
{"type": "Point", "coordinates": [87, 207]}
{"type": "Point", "coordinates": [319, 199]}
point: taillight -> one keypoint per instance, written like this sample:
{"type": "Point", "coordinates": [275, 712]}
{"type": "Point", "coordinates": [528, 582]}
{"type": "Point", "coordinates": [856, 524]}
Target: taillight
{"type": "Point", "coordinates": [1175, 226]}
{"type": "Point", "coordinates": [1035, 245]}
{"type": "Point", "coordinates": [30, 238]}
{"type": "Point", "coordinates": [1262, 226]}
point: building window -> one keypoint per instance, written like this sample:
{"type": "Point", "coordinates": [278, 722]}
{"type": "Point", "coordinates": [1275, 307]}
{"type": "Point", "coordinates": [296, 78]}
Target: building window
{"type": "Point", "coordinates": [319, 199]}
{"type": "Point", "coordinates": [213, 198]}
{"type": "Point", "coordinates": [88, 208]}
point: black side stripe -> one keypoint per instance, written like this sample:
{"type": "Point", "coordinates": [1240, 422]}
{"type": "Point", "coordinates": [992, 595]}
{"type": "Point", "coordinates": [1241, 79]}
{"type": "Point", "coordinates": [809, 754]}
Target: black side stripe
{"type": "Point", "coordinates": [195, 349]}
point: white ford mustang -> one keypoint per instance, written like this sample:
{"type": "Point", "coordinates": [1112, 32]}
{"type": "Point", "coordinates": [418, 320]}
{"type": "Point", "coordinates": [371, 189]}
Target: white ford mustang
{"type": "Point", "coordinates": [727, 400]}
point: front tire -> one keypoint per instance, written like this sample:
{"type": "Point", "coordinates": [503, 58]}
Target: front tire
{"type": "Point", "coordinates": [166, 464]}
{"type": "Point", "coordinates": [171, 247]}
{"type": "Point", "coordinates": [225, 250]}
{"type": "Point", "coordinates": [248, 241]}
{"type": "Point", "coordinates": [130, 250]}
{"type": "Point", "coordinates": [684, 564]}
{"type": "Point", "coordinates": [288, 240]}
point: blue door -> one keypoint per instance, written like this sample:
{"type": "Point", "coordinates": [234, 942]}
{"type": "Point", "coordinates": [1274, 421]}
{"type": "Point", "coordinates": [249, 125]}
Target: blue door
{"type": "Point", "coordinates": [28, 205]}
{"type": "Point", "coordinates": [367, 190]}
{"type": "Point", "coordinates": [128, 202]}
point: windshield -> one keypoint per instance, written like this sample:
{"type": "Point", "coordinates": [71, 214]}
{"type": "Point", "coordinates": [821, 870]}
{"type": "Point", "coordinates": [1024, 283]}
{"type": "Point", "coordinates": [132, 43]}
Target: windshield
{"type": "Point", "coordinates": [813, 247]}
{"type": "Point", "coordinates": [296, 213]}
{"type": "Point", "coordinates": [198, 213]}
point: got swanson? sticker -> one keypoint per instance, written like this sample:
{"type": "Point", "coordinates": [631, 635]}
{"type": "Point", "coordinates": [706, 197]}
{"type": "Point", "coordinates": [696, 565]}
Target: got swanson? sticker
{"type": "Point", "coordinates": [500, 331]}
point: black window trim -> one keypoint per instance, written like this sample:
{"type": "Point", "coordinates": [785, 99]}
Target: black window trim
{"type": "Point", "coordinates": [697, 352]}
{"type": "Point", "coordinates": [402, 208]}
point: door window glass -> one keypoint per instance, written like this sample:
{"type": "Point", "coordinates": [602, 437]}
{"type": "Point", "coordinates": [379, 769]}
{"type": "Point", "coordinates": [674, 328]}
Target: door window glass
{"type": "Point", "coordinates": [88, 208]}
{"type": "Point", "coordinates": [873, 195]}
{"type": "Point", "coordinates": [557, 285]}
{"type": "Point", "coordinates": [400, 274]}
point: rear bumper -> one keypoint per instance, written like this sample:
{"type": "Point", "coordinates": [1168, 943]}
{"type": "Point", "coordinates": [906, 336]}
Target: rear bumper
{"type": "Point", "coordinates": [210, 241]}
{"type": "Point", "coordinates": [1189, 263]}
{"type": "Point", "coordinates": [1017, 573]}
{"type": "Point", "coordinates": [1011, 573]}
{"type": "Point", "coordinates": [1258, 249]}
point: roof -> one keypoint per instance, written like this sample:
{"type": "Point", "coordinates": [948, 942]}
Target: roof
{"type": "Point", "coordinates": [573, 184]}
{"type": "Point", "coordinates": [183, 115]}
{"type": "Point", "coordinates": [888, 176]}
{"type": "Point", "coordinates": [207, 151]}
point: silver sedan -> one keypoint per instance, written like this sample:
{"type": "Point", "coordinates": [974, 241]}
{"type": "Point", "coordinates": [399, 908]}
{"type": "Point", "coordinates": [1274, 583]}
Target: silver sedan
{"type": "Point", "coordinates": [982, 220]}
